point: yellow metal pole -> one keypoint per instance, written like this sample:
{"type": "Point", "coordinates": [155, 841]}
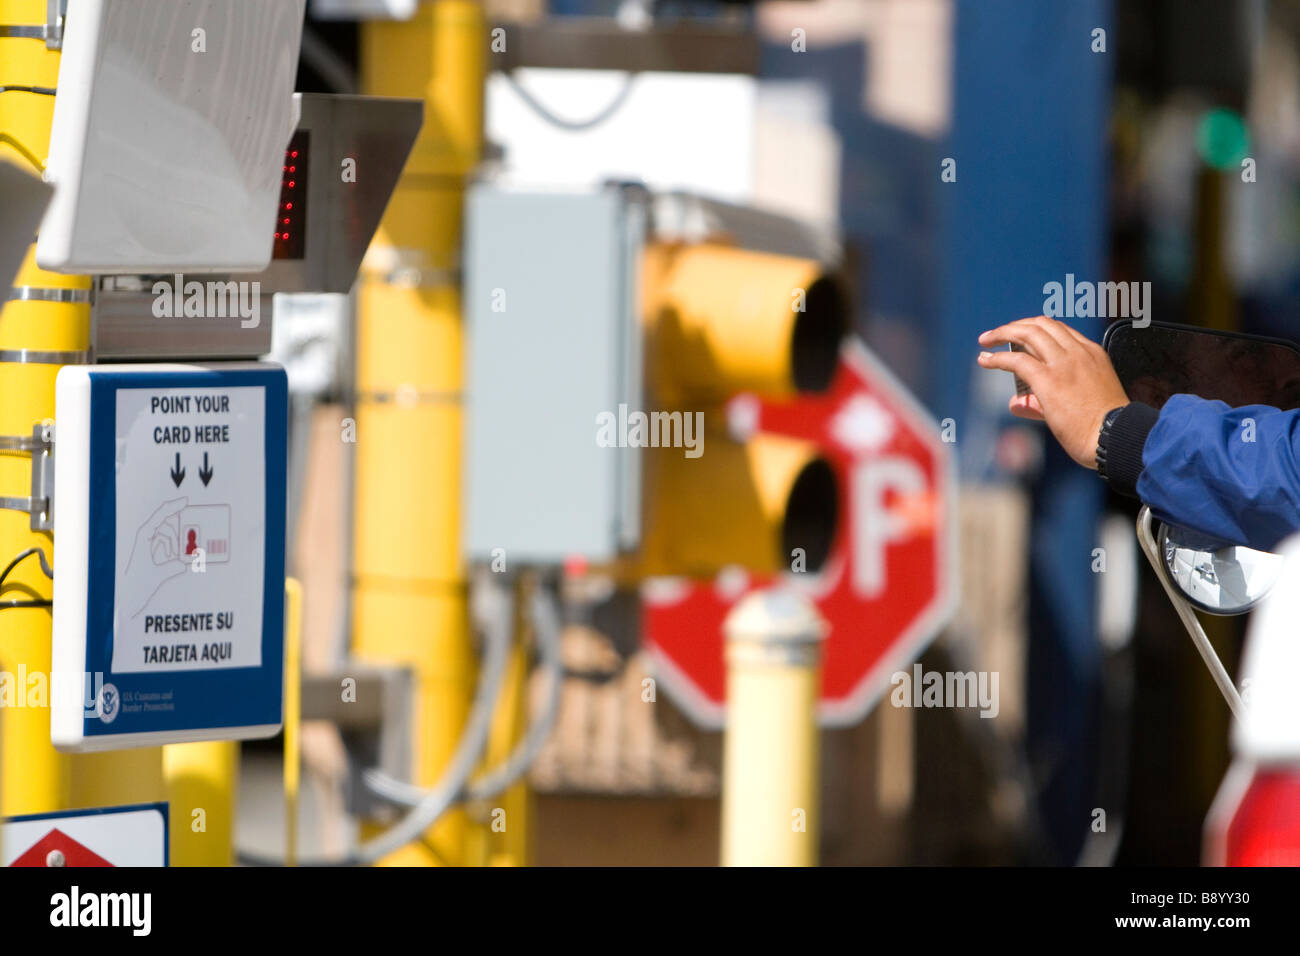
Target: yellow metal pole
{"type": "Point", "coordinates": [771, 761]}
{"type": "Point", "coordinates": [201, 781]}
{"type": "Point", "coordinates": [409, 592]}
{"type": "Point", "coordinates": [37, 778]}
{"type": "Point", "coordinates": [292, 718]}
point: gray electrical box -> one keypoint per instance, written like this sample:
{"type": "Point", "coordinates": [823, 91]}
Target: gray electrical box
{"type": "Point", "coordinates": [554, 341]}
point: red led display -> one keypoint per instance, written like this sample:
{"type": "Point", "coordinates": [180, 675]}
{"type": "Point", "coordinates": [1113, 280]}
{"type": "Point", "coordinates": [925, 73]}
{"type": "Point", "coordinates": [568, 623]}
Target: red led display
{"type": "Point", "coordinates": [291, 220]}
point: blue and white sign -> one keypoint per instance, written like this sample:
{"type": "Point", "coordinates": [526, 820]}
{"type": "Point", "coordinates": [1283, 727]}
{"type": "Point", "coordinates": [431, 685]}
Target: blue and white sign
{"type": "Point", "coordinates": [169, 570]}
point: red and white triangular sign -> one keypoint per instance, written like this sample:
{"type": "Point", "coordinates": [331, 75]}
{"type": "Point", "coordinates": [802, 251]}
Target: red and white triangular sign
{"type": "Point", "coordinates": [94, 836]}
{"type": "Point", "coordinates": [56, 848]}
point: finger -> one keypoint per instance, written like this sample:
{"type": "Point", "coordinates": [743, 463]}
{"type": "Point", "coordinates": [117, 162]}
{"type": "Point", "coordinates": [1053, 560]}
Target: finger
{"type": "Point", "coordinates": [1029, 336]}
{"type": "Point", "coordinates": [1058, 330]}
{"type": "Point", "coordinates": [1026, 406]}
{"type": "Point", "coordinates": [1075, 334]}
{"type": "Point", "coordinates": [1060, 333]}
{"type": "Point", "coordinates": [1019, 363]}
{"type": "Point", "coordinates": [164, 544]}
{"type": "Point", "coordinates": [165, 510]}
{"type": "Point", "coordinates": [1079, 337]}
{"type": "Point", "coordinates": [989, 337]}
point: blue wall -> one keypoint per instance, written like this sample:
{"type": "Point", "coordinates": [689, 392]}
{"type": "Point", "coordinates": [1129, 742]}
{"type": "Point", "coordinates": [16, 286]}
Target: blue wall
{"type": "Point", "coordinates": [1029, 206]}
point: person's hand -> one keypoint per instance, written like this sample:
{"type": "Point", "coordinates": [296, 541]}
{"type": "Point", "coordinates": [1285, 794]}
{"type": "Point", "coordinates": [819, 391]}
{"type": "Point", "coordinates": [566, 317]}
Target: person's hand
{"type": "Point", "coordinates": [1072, 380]}
{"type": "Point", "coordinates": [156, 557]}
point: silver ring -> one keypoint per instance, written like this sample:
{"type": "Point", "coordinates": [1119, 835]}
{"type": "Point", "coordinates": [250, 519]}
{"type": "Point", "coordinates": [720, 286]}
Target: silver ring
{"type": "Point", "coordinates": [38, 357]}
{"type": "Point", "coordinates": [410, 396]}
{"type": "Point", "coordinates": [415, 278]}
{"type": "Point", "coordinates": [31, 293]}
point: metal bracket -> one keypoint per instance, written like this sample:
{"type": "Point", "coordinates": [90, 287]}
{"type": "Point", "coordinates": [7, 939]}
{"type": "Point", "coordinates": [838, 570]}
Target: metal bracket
{"type": "Point", "coordinates": [374, 720]}
{"type": "Point", "coordinates": [51, 32]}
{"type": "Point", "coordinates": [1222, 679]}
{"type": "Point", "coordinates": [29, 293]}
{"type": "Point", "coordinates": [40, 505]}
{"type": "Point", "coordinates": [42, 357]}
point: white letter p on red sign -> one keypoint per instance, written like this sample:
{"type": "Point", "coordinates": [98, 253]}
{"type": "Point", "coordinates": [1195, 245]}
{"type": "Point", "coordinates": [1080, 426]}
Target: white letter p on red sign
{"type": "Point", "coordinates": [875, 526]}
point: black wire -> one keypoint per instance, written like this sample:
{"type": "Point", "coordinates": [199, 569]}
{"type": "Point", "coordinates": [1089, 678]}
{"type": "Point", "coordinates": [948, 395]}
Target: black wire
{"type": "Point", "coordinates": [45, 569]}
{"type": "Point", "coordinates": [39, 90]}
{"type": "Point", "coordinates": [45, 566]}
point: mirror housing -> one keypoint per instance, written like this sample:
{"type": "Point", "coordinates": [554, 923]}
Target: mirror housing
{"type": "Point", "coordinates": [1214, 576]}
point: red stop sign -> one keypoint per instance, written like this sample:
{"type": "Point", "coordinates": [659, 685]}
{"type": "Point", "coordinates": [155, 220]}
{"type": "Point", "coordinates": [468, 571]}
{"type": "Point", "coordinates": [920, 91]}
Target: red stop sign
{"type": "Point", "coordinates": [889, 584]}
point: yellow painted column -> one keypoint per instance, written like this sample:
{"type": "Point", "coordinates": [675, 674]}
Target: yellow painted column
{"type": "Point", "coordinates": [771, 776]}
{"type": "Point", "coordinates": [34, 777]}
{"type": "Point", "coordinates": [292, 717]}
{"type": "Point", "coordinates": [409, 593]}
{"type": "Point", "coordinates": [202, 781]}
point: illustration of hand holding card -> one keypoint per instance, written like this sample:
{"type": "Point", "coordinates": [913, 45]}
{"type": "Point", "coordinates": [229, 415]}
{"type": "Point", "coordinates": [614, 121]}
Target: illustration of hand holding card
{"type": "Point", "coordinates": [175, 538]}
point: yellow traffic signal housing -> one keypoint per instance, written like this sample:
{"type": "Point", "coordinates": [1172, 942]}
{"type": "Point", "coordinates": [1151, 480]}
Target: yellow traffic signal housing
{"type": "Point", "coordinates": [722, 320]}
{"type": "Point", "coordinates": [759, 505]}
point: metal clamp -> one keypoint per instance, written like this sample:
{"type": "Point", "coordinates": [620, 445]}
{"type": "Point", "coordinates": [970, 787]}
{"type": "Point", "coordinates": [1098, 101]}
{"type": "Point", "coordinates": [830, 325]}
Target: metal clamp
{"type": "Point", "coordinates": [31, 293]}
{"type": "Point", "coordinates": [40, 504]}
{"type": "Point", "coordinates": [42, 357]}
{"type": "Point", "coordinates": [52, 30]}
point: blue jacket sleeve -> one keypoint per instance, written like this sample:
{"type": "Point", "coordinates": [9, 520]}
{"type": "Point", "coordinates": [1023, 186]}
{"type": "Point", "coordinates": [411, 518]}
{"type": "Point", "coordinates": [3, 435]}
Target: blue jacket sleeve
{"type": "Point", "coordinates": [1233, 473]}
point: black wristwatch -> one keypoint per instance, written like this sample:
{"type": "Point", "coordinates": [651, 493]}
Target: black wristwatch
{"type": "Point", "coordinates": [1122, 443]}
{"type": "Point", "coordinates": [1102, 437]}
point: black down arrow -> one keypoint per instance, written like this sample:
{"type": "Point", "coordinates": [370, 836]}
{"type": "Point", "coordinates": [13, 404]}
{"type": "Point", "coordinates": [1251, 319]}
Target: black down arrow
{"type": "Point", "coordinates": [205, 472]}
{"type": "Point", "coordinates": [178, 473]}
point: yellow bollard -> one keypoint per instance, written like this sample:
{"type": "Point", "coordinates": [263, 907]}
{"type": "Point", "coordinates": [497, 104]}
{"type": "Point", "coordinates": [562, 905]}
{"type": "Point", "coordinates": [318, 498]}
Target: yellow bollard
{"type": "Point", "coordinates": [771, 762]}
